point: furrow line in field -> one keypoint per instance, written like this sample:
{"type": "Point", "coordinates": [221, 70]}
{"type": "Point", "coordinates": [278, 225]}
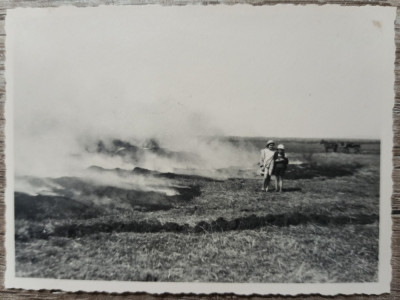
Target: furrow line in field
{"type": "Point", "coordinates": [219, 225]}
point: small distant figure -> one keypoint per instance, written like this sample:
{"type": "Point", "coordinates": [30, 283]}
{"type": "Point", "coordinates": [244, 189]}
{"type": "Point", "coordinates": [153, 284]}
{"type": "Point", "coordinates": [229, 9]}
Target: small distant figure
{"type": "Point", "coordinates": [267, 163]}
{"type": "Point", "coordinates": [355, 147]}
{"type": "Point", "coordinates": [280, 165]}
{"type": "Point", "coordinates": [329, 145]}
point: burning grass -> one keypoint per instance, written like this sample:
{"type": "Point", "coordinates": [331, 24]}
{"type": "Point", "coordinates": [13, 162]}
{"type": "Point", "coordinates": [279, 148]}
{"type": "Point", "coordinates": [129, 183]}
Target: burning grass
{"type": "Point", "coordinates": [322, 228]}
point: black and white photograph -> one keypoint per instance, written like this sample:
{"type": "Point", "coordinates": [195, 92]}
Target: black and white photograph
{"type": "Point", "coordinates": [242, 149]}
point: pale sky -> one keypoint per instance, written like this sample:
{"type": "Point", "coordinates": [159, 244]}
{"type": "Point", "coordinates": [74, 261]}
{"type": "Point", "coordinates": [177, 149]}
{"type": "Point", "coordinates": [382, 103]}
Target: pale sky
{"type": "Point", "coordinates": [172, 72]}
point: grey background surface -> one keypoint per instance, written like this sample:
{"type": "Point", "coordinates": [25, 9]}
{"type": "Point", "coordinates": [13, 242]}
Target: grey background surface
{"type": "Point", "coordinates": [21, 294]}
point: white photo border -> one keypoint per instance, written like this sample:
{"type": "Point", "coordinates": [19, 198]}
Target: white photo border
{"type": "Point", "coordinates": [385, 226]}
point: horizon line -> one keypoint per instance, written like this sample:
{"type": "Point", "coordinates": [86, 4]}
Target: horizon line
{"type": "Point", "coordinates": [304, 138]}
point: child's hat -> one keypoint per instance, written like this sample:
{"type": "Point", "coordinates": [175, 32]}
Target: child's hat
{"type": "Point", "coordinates": [281, 147]}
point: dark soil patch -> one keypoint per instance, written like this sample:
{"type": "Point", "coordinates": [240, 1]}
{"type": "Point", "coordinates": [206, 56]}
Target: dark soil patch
{"type": "Point", "coordinates": [138, 171]}
{"type": "Point", "coordinates": [188, 193]}
{"type": "Point", "coordinates": [220, 225]}
{"type": "Point", "coordinates": [254, 222]}
{"type": "Point", "coordinates": [149, 200]}
{"type": "Point", "coordinates": [42, 207]}
{"type": "Point", "coordinates": [292, 189]}
{"type": "Point", "coordinates": [309, 171]}
{"type": "Point", "coordinates": [169, 175]}
{"type": "Point", "coordinates": [144, 172]}
{"type": "Point", "coordinates": [84, 206]}
{"type": "Point", "coordinates": [184, 176]}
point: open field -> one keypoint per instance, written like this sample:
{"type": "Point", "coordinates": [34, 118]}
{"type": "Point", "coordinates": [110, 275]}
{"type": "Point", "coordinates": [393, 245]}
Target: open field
{"type": "Point", "coordinates": [206, 225]}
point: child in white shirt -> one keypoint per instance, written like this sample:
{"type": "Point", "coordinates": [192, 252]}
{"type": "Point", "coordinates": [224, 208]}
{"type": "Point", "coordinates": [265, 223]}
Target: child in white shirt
{"type": "Point", "coordinates": [267, 163]}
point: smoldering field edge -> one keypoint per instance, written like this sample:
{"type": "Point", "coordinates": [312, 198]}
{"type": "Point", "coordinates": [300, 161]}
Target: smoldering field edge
{"type": "Point", "coordinates": [173, 217]}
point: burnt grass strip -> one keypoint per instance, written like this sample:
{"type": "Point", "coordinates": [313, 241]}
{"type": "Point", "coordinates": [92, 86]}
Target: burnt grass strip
{"type": "Point", "coordinates": [310, 171]}
{"type": "Point", "coordinates": [220, 225]}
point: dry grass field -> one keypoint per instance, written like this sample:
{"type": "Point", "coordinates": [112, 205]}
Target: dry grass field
{"type": "Point", "coordinates": [215, 226]}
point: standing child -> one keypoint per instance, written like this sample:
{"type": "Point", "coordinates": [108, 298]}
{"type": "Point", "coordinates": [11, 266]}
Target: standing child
{"type": "Point", "coordinates": [267, 163]}
{"type": "Point", "coordinates": [280, 166]}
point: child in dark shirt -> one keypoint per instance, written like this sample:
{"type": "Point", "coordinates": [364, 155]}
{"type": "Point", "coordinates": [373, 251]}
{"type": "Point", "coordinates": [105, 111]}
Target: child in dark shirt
{"type": "Point", "coordinates": [280, 166]}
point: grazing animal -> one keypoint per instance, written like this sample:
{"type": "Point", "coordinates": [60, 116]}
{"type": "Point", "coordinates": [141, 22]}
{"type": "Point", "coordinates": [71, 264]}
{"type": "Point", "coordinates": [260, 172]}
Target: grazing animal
{"type": "Point", "coordinates": [329, 145]}
{"type": "Point", "coordinates": [356, 148]}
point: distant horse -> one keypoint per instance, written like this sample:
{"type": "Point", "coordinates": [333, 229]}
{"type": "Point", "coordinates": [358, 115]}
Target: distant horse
{"type": "Point", "coordinates": [356, 148]}
{"type": "Point", "coordinates": [329, 145]}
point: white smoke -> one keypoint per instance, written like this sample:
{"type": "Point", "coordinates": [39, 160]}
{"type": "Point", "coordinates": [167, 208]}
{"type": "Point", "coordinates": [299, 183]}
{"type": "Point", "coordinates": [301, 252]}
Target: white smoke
{"type": "Point", "coordinates": [37, 187]}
